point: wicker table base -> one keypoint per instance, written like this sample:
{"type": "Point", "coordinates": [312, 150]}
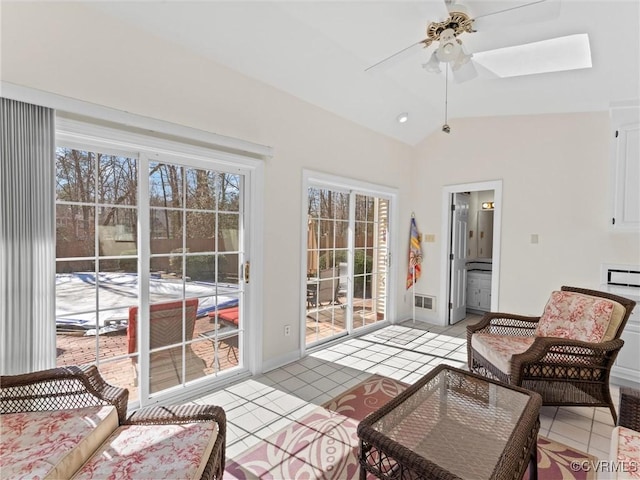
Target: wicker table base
{"type": "Point", "coordinates": [452, 424]}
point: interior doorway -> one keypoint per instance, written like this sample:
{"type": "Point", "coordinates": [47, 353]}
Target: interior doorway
{"type": "Point", "coordinates": [471, 253]}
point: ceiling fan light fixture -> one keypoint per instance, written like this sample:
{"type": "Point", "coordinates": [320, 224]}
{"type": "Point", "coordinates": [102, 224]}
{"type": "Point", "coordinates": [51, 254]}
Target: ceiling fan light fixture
{"type": "Point", "coordinates": [449, 48]}
{"type": "Point", "coordinates": [461, 61]}
{"type": "Point", "coordinates": [433, 65]}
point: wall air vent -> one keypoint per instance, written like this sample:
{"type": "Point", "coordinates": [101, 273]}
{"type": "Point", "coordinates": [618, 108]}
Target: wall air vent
{"type": "Point", "coordinates": [623, 277]}
{"type": "Point", "coordinates": [428, 302]}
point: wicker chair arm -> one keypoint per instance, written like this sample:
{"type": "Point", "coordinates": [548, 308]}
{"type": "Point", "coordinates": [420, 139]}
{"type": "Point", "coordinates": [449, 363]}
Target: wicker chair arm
{"type": "Point", "coordinates": [565, 352]}
{"type": "Point", "coordinates": [629, 408]}
{"type": "Point", "coordinates": [60, 388]}
{"type": "Point", "coordinates": [544, 345]}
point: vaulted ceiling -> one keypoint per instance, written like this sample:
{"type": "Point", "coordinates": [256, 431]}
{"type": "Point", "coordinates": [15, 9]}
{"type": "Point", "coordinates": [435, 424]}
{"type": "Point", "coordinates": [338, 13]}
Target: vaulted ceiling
{"type": "Point", "coordinates": [319, 50]}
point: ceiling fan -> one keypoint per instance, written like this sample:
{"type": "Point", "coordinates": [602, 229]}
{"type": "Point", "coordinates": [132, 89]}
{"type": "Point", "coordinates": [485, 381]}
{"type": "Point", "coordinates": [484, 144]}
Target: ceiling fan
{"type": "Point", "coordinates": [563, 53]}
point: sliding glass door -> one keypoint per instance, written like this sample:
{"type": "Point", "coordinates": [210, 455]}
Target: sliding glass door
{"type": "Point", "coordinates": [150, 251]}
{"type": "Point", "coordinates": [346, 262]}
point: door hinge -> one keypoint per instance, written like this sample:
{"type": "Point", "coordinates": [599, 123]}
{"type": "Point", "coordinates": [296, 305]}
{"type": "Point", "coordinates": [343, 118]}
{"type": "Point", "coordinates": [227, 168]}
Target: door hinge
{"type": "Point", "coordinates": [617, 133]}
{"type": "Point", "coordinates": [247, 266]}
{"type": "Point", "coordinates": [450, 305]}
{"type": "Point", "coordinates": [453, 207]}
{"type": "Point", "coordinates": [451, 257]}
{"type": "Point", "coordinates": [613, 221]}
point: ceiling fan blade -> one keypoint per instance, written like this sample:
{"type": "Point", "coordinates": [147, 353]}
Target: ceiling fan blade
{"type": "Point", "coordinates": [396, 57]}
{"type": "Point", "coordinates": [519, 14]}
{"type": "Point", "coordinates": [571, 52]}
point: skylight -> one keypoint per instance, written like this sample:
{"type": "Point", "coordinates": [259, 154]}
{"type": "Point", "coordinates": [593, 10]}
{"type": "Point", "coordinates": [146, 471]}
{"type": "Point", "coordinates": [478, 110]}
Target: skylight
{"type": "Point", "coordinates": [554, 55]}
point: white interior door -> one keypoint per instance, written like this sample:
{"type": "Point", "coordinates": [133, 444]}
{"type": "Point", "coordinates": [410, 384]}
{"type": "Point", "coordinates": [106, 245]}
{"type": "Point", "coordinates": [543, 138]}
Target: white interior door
{"type": "Point", "coordinates": [459, 233]}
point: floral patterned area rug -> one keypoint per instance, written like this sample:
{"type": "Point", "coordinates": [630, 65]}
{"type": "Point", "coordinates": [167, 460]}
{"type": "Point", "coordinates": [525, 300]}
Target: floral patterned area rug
{"type": "Point", "coordinates": [324, 443]}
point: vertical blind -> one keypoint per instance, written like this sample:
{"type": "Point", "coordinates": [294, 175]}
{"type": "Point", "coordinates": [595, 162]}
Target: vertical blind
{"type": "Point", "coordinates": [27, 236]}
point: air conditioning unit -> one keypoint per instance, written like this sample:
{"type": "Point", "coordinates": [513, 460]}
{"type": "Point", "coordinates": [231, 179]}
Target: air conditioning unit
{"type": "Point", "coordinates": [427, 302]}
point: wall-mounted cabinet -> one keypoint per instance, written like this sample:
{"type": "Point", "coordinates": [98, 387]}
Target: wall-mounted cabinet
{"type": "Point", "coordinates": [626, 169]}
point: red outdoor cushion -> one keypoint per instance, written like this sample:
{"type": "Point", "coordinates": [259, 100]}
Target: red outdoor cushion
{"type": "Point", "coordinates": [227, 314]}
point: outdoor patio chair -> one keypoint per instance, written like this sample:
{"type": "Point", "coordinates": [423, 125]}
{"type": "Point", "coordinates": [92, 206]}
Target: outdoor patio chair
{"type": "Point", "coordinates": [565, 355]}
{"type": "Point", "coordinates": [322, 290]}
{"type": "Point", "coordinates": [165, 329]}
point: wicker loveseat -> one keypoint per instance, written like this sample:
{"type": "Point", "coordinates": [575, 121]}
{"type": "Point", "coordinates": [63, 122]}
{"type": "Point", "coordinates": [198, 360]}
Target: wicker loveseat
{"type": "Point", "coordinates": [565, 355]}
{"type": "Point", "coordinates": [69, 423]}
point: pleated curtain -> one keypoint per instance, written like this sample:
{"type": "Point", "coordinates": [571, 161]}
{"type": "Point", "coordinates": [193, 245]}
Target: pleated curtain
{"type": "Point", "coordinates": [27, 236]}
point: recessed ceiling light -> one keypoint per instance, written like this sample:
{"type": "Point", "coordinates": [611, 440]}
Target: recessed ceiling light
{"type": "Point", "coordinates": [403, 117]}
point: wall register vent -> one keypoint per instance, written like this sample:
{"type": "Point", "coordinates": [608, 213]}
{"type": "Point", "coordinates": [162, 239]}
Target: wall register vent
{"type": "Point", "coordinates": [623, 278]}
{"type": "Point", "coordinates": [428, 302]}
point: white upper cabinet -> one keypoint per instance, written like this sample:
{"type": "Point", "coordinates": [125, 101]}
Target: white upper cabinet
{"type": "Point", "coordinates": [626, 176]}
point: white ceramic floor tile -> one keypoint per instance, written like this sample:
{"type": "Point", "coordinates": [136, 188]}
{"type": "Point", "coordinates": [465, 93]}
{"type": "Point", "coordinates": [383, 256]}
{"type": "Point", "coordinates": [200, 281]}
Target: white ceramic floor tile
{"type": "Point", "coordinates": [278, 375]}
{"type": "Point", "coordinates": [603, 415]}
{"type": "Point", "coordinates": [234, 433]}
{"type": "Point", "coordinates": [578, 443]}
{"type": "Point", "coordinates": [295, 368]}
{"type": "Point", "coordinates": [308, 393]}
{"type": "Point", "coordinates": [603, 429]}
{"type": "Point", "coordinates": [327, 355]}
{"type": "Point", "coordinates": [238, 447]}
{"type": "Point", "coordinates": [310, 376]}
{"type": "Point", "coordinates": [256, 419]}
{"type": "Point", "coordinates": [582, 411]}
{"type": "Point", "coordinates": [361, 364]}
{"type": "Point", "coordinates": [272, 427]}
{"type": "Point", "coordinates": [326, 369]}
{"type": "Point", "coordinates": [302, 411]}
{"type": "Point", "coordinates": [569, 417]}
{"type": "Point", "coordinates": [571, 431]}
{"type": "Point", "coordinates": [599, 442]}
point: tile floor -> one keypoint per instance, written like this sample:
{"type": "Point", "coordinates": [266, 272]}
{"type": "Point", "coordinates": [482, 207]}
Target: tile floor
{"type": "Point", "coordinates": [264, 404]}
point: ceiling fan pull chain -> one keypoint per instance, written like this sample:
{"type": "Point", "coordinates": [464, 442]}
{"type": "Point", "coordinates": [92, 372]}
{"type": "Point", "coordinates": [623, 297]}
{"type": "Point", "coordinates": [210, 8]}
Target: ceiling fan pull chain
{"type": "Point", "coordinates": [446, 128]}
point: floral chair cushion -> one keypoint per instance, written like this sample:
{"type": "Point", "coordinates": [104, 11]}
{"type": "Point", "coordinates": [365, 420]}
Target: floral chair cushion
{"type": "Point", "coordinates": [625, 451]}
{"type": "Point", "coordinates": [52, 444]}
{"type": "Point", "coordinates": [499, 349]}
{"type": "Point", "coordinates": [576, 316]}
{"type": "Point", "coordinates": [177, 451]}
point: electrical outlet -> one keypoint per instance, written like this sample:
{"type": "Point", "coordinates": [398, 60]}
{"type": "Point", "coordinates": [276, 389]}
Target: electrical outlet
{"type": "Point", "coordinates": [287, 330]}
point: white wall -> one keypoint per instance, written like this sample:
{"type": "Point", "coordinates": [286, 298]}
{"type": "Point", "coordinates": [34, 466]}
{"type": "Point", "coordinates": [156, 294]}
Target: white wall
{"type": "Point", "coordinates": [70, 50]}
{"type": "Point", "coordinates": [556, 183]}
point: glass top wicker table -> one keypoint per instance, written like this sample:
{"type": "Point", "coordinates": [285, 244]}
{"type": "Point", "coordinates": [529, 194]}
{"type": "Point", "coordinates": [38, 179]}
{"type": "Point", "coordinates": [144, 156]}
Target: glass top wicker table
{"type": "Point", "coordinates": [452, 424]}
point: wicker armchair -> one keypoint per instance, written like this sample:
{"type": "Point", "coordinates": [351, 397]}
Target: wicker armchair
{"type": "Point", "coordinates": [564, 371]}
